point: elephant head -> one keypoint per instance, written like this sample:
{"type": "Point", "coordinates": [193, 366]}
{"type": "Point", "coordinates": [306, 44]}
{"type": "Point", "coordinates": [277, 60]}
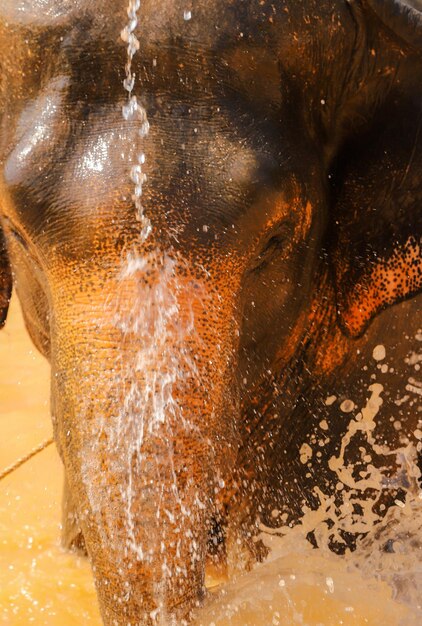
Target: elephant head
{"type": "Point", "coordinates": [271, 126]}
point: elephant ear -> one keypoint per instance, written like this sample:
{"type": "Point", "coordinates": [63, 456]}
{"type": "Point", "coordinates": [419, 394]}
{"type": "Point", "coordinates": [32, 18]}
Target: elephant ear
{"type": "Point", "coordinates": [376, 228]}
{"type": "Point", "coordinates": [5, 281]}
{"type": "Point", "coordinates": [402, 17]}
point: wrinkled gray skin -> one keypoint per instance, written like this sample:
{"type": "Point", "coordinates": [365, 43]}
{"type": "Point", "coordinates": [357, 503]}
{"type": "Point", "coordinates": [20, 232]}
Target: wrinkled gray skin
{"type": "Point", "coordinates": [284, 187]}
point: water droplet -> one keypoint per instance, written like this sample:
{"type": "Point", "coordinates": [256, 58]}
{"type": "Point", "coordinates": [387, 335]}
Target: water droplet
{"type": "Point", "coordinates": [129, 82]}
{"type": "Point", "coordinates": [132, 25]}
{"type": "Point", "coordinates": [130, 109]}
{"type": "Point", "coordinates": [144, 129]}
{"type": "Point", "coordinates": [135, 174]}
{"type": "Point", "coordinates": [347, 406]}
{"type": "Point", "coordinates": [379, 353]}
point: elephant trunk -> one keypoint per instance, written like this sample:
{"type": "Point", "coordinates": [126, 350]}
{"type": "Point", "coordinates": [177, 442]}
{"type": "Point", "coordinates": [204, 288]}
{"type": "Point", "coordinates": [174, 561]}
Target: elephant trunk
{"type": "Point", "coordinates": [138, 404]}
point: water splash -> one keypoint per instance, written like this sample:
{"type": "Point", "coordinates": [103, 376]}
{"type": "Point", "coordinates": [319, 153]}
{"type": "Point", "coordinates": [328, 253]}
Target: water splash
{"type": "Point", "coordinates": [133, 111]}
{"type": "Point", "coordinates": [381, 580]}
{"type": "Point", "coordinates": [368, 486]}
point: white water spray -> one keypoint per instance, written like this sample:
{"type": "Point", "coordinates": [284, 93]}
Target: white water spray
{"type": "Point", "coordinates": [380, 582]}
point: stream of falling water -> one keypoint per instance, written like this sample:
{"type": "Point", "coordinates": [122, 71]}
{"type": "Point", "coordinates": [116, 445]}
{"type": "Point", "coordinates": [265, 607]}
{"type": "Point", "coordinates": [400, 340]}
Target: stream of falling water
{"type": "Point", "coordinates": [133, 111]}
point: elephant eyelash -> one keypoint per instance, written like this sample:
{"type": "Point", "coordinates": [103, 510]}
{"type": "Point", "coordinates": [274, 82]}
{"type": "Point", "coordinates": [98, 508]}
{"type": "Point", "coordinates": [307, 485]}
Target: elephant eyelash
{"type": "Point", "coordinates": [275, 244]}
{"type": "Point", "coordinates": [19, 238]}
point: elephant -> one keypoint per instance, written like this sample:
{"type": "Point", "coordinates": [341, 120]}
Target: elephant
{"type": "Point", "coordinates": [196, 325]}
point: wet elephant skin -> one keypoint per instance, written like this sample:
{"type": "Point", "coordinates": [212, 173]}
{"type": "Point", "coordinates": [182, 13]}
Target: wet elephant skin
{"type": "Point", "coordinates": [284, 189]}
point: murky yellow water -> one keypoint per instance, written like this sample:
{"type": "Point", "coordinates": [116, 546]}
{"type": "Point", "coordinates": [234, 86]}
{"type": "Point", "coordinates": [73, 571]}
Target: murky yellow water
{"type": "Point", "coordinates": [41, 584]}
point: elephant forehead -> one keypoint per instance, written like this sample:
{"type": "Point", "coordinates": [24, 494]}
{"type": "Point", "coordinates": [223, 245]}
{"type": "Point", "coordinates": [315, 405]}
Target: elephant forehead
{"type": "Point", "coordinates": [39, 12]}
{"type": "Point", "coordinates": [173, 15]}
{"type": "Point", "coordinates": [36, 127]}
{"type": "Point", "coordinates": [209, 25]}
{"type": "Point", "coordinates": [212, 25]}
{"type": "Point", "coordinates": [98, 168]}
{"type": "Point", "coordinates": [182, 16]}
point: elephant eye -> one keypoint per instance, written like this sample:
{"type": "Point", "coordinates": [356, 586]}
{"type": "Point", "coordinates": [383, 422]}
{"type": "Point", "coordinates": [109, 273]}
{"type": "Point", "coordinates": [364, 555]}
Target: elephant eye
{"type": "Point", "coordinates": [17, 235]}
{"type": "Point", "coordinates": [273, 246]}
